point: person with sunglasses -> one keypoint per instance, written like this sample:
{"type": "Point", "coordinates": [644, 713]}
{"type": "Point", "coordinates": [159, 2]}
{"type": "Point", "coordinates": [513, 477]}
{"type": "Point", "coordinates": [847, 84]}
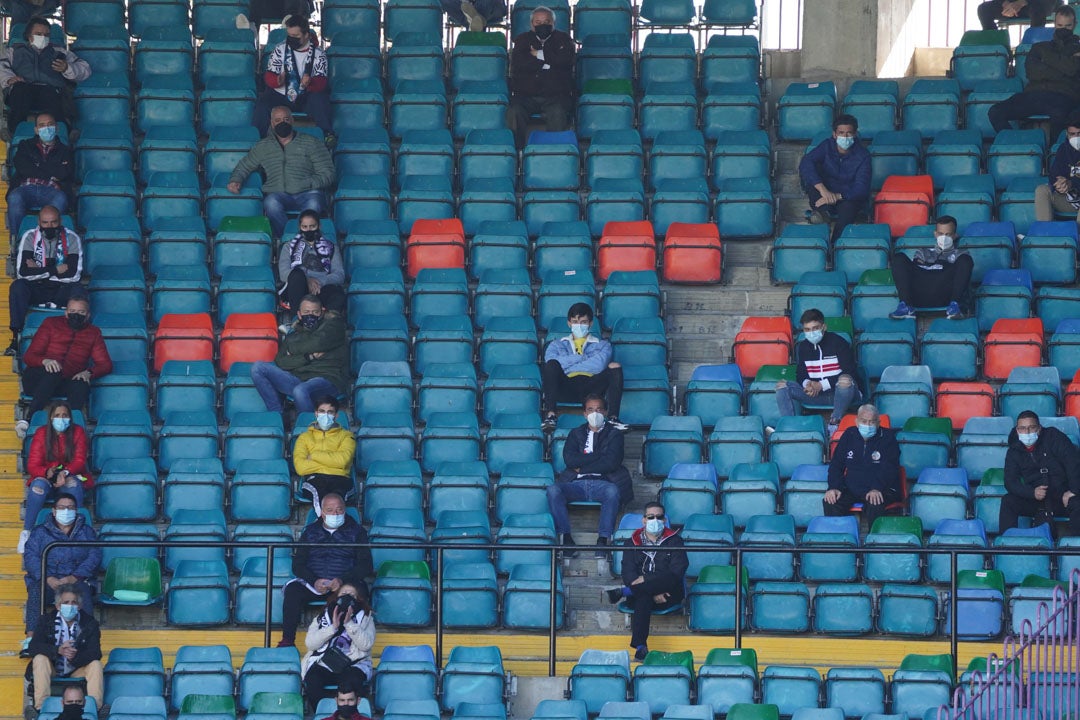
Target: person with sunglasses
{"type": "Point", "coordinates": [653, 575]}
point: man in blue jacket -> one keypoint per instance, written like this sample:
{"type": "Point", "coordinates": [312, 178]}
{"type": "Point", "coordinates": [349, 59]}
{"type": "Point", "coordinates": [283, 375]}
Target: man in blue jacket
{"type": "Point", "coordinates": [579, 365]}
{"type": "Point", "coordinates": [1061, 194]}
{"type": "Point", "coordinates": [836, 175]}
{"type": "Point", "coordinates": [865, 468]}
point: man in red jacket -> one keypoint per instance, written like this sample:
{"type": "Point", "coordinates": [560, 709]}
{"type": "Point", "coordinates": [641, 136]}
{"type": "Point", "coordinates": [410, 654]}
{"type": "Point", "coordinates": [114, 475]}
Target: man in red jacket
{"type": "Point", "coordinates": [64, 356]}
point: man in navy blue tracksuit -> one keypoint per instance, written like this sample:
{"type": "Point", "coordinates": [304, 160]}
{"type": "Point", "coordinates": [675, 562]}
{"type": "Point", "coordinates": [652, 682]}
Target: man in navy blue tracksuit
{"type": "Point", "coordinates": [865, 468]}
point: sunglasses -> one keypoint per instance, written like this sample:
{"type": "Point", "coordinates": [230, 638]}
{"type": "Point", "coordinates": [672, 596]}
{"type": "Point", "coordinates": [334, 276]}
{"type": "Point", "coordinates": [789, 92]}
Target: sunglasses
{"type": "Point", "coordinates": [654, 517]}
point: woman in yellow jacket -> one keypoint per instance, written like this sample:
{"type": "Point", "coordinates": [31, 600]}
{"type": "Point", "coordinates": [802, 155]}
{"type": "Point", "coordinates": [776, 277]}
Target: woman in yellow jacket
{"type": "Point", "coordinates": [323, 454]}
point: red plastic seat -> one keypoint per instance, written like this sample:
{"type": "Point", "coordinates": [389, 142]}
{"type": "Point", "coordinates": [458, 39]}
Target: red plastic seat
{"type": "Point", "coordinates": [1072, 396]}
{"type": "Point", "coordinates": [435, 244]}
{"type": "Point", "coordinates": [904, 201]}
{"type": "Point", "coordinates": [693, 254]}
{"type": "Point", "coordinates": [626, 246]}
{"type": "Point", "coordinates": [1012, 342]}
{"type": "Point", "coordinates": [248, 337]}
{"type": "Point", "coordinates": [910, 183]}
{"type": "Point", "coordinates": [960, 401]}
{"type": "Point", "coordinates": [762, 341]}
{"type": "Point", "coordinates": [183, 337]}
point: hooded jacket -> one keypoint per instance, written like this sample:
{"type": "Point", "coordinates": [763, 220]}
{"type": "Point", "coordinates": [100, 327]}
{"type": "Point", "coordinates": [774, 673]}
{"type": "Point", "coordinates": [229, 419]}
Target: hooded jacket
{"type": "Point", "coordinates": [664, 563]}
{"type": "Point", "coordinates": [329, 338]}
{"type": "Point", "coordinates": [1053, 461]}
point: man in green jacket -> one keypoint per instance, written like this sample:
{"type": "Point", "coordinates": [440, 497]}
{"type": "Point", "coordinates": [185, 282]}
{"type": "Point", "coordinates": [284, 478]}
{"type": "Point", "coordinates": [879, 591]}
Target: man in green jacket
{"type": "Point", "coordinates": [297, 170]}
{"type": "Point", "coordinates": [311, 363]}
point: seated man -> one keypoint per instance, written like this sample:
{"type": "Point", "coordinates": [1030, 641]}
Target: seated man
{"type": "Point", "coordinates": [323, 454]}
{"type": "Point", "coordinates": [311, 362]}
{"type": "Point", "coordinates": [653, 574]}
{"type": "Point", "coordinates": [475, 15]}
{"type": "Point", "coordinates": [296, 167]}
{"type": "Point", "coordinates": [1042, 476]}
{"type": "Point", "coordinates": [1061, 194]}
{"type": "Point", "coordinates": [865, 468]}
{"type": "Point", "coordinates": [296, 78]}
{"type": "Point", "coordinates": [322, 570]}
{"type": "Point", "coordinates": [594, 472]}
{"type": "Point", "coordinates": [37, 75]}
{"type": "Point", "coordinates": [64, 356]}
{"type": "Point", "coordinates": [1053, 88]}
{"type": "Point", "coordinates": [74, 699]}
{"type": "Point", "coordinates": [66, 643]}
{"type": "Point", "coordinates": [824, 371]}
{"type": "Point", "coordinates": [578, 365]}
{"type": "Point", "coordinates": [49, 267]}
{"type": "Point", "coordinates": [44, 170]}
{"type": "Point", "coordinates": [836, 176]}
{"type": "Point", "coordinates": [993, 10]}
{"type": "Point", "coordinates": [541, 77]}
{"type": "Point", "coordinates": [347, 700]}
{"type": "Point", "coordinates": [935, 276]}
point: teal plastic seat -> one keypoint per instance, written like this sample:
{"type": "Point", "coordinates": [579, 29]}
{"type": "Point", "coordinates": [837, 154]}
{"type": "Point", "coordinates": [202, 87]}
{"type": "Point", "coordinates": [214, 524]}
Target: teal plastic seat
{"type": "Point", "coordinates": [598, 676]}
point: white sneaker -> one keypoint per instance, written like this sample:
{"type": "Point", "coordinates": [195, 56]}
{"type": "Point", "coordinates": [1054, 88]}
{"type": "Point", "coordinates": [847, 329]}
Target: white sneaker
{"type": "Point", "coordinates": [242, 22]}
{"type": "Point", "coordinates": [21, 426]}
{"type": "Point", "coordinates": [23, 536]}
{"type": "Point", "coordinates": [476, 20]}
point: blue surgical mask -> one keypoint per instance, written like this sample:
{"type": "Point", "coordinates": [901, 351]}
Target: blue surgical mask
{"type": "Point", "coordinates": [69, 612]}
{"type": "Point", "coordinates": [47, 133]}
{"type": "Point", "coordinates": [845, 143]}
{"type": "Point", "coordinates": [61, 424]}
{"type": "Point", "coordinates": [65, 516]}
{"type": "Point", "coordinates": [1028, 439]}
{"type": "Point", "coordinates": [814, 336]}
{"type": "Point", "coordinates": [334, 521]}
{"type": "Point", "coordinates": [324, 420]}
{"type": "Point", "coordinates": [867, 431]}
{"type": "Point", "coordinates": [579, 330]}
{"type": "Point", "coordinates": [654, 526]}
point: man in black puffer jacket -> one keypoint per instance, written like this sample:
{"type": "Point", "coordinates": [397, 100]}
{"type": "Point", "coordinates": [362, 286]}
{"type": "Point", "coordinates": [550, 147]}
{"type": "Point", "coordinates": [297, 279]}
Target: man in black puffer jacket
{"type": "Point", "coordinates": [1042, 475]}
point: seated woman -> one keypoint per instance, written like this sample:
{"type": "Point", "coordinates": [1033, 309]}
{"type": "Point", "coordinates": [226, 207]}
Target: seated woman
{"type": "Point", "coordinates": [339, 642]}
{"type": "Point", "coordinates": [311, 264]}
{"type": "Point", "coordinates": [323, 454]}
{"type": "Point", "coordinates": [56, 464]}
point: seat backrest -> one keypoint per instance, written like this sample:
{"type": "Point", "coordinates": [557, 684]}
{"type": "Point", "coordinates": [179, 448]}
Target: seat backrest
{"type": "Point", "coordinates": [729, 372]}
{"type": "Point", "coordinates": [1048, 375]}
{"type": "Point", "coordinates": [842, 525]}
{"type": "Point", "coordinates": [908, 374]}
{"type": "Point", "coordinates": [943, 476]}
{"type": "Point", "coordinates": [897, 525]}
{"type": "Point", "coordinates": [408, 653]}
{"type": "Point", "coordinates": [911, 183]}
{"type": "Point", "coordinates": [972, 528]}
{"type": "Point", "coordinates": [810, 473]}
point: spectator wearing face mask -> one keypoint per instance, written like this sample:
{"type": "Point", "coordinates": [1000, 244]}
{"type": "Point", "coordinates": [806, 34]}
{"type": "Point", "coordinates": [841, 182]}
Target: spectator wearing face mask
{"type": "Point", "coordinates": [836, 176]}
{"type": "Point", "coordinates": [825, 372]}
{"type": "Point", "coordinates": [933, 277]}
{"type": "Point", "coordinates": [74, 700]}
{"type": "Point", "coordinates": [1042, 476]}
{"type": "Point", "coordinates": [296, 78]}
{"type": "Point", "coordinates": [310, 264]}
{"type": "Point", "coordinates": [541, 76]}
{"type": "Point", "coordinates": [348, 698]}
{"type": "Point", "coordinates": [44, 170]}
{"type": "Point", "coordinates": [323, 454]}
{"type": "Point", "coordinates": [311, 362]}
{"type": "Point", "coordinates": [579, 365]}
{"type": "Point", "coordinates": [74, 565]}
{"type": "Point", "coordinates": [339, 642]}
{"type": "Point", "coordinates": [67, 644]}
{"type": "Point", "coordinates": [327, 566]}
{"type": "Point", "coordinates": [39, 76]}
{"type": "Point", "coordinates": [1061, 194]}
{"type": "Point", "coordinates": [865, 468]}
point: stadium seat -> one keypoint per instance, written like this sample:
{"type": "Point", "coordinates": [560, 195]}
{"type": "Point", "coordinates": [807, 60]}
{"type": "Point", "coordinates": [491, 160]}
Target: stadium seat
{"type": "Point", "coordinates": [527, 599]}
{"type": "Point", "coordinates": [960, 401]}
{"type": "Point", "coordinates": [982, 444]}
{"type": "Point", "coordinates": [735, 58]}
{"type": "Point", "coordinates": [955, 533]}
{"type": "Point", "coordinates": [981, 55]}
{"type": "Point", "coordinates": [402, 593]}
{"type": "Point", "coordinates": [904, 392]}
{"type": "Point", "coordinates": [789, 688]}
{"type": "Point", "coordinates": [931, 106]}
{"type": "Point", "coordinates": [803, 493]}
{"type": "Point", "coordinates": [712, 600]}
{"type": "Point", "coordinates": [126, 490]}
{"type": "Point", "coordinates": [780, 607]}
{"type": "Point", "coordinates": [858, 690]}
{"type": "Point", "coordinates": [762, 341]}
{"type": "Point", "coordinates": [806, 109]}
{"type": "Point", "coordinates": [797, 250]}
{"type": "Point", "coordinates": [939, 494]}
{"type": "Point", "coordinates": [598, 677]}
{"type": "Point", "coordinates": [198, 594]}
{"type": "Point", "coordinates": [740, 153]}
{"type": "Point", "coordinates": [904, 201]}
{"type": "Point", "coordinates": [745, 208]}
{"type": "Point", "coordinates": [860, 248]}
{"type": "Point", "coordinates": [201, 670]}
{"type": "Point", "coordinates": [769, 531]}
{"type": "Point", "coordinates": [134, 672]}
{"type": "Point", "coordinates": [907, 610]}
{"type": "Point", "coordinates": [132, 581]}
{"type": "Point", "coordinates": [1048, 251]}
{"type": "Point", "coordinates": [731, 106]}
{"type": "Point", "coordinates": [843, 609]}
{"type": "Point", "coordinates": [1031, 388]}
{"type": "Point", "coordinates": [796, 440]}
{"type": "Point", "coordinates": [405, 672]}
{"type": "Point", "coordinates": [672, 440]}
{"type": "Point", "coordinates": [1015, 154]}
{"type": "Point", "coordinates": [950, 348]}
{"type": "Point", "coordinates": [183, 337]}
{"type": "Point", "coordinates": [1012, 343]}
{"type": "Point", "coordinates": [248, 338]}
{"type": "Point", "coordinates": [626, 246]}
{"type": "Point", "coordinates": [736, 440]}
{"type": "Point", "coordinates": [750, 491]}
{"type": "Point", "coordinates": [894, 152]}
{"type": "Point", "coordinates": [1014, 568]}
{"type": "Point", "coordinates": [605, 105]}
{"type": "Point", "coordinates": [979, 604]}
{"type": "Point", "coordinates": [874, 103]}
{"type": "Point", "coordinates": [924, 442]}
{"type": "Point", "coordinates": [829, 532]}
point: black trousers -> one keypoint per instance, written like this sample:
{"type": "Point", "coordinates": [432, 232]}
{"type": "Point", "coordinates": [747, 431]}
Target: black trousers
{"type": "Point", "coordinates": [324, 484]}
{"type": "Point", "coordinates": [24, 98]}
{"type": "Point", "coordinates": [332, 296]}
{"type": "Point", "coordinates": [1013, 507]}
{"type": "Point", "coordinates": [1035, 10]}
{"type": "Point", "coordinates": [843, 504]}
{"type": "Point", "coordinates": [920, 287]}
{"type": "Point", "coordinates": [641, 599]}
{"type": "Point", "coordinates": [43, 386]}
{"type": "Point", "coordinates": [318, 678]}
{"type": "Point", "coordinates": [295, 596]}
{"type": "Point", "coordinates": [1023, 105]}
{"type": "Point", "coordinates": [558, 387]}
{"type": "Point", "coordinates": [555, 109]}
{"type": "Point", "coordinates": [843, 212]}
{"type": "Point", "coordinates": [24, 293]}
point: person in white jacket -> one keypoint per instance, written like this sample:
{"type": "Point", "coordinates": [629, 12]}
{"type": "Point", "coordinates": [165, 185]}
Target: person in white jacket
{"type": "Point", "coordinates": [339, 642]}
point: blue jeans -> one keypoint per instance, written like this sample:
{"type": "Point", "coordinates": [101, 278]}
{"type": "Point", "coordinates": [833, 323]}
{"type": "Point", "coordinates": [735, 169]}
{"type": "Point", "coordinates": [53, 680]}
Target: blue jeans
{"type": "Point", "coordinates": [272, 382]}
{"type": "Point", "coordinates": [26, 197]}
{"type": "Point", "coordinates": [41, 491]}
{"type": "Point", "coordinates": [840, 399]}
{"type": "Point", "coordinates": [600, 491]}
{"type": "Point", "coordinates": [277, 206]}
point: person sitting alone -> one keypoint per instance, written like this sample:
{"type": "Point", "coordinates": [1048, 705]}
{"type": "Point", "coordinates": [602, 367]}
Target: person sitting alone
{"type": "Point", "coordinates": [323, 455]}
{"type": "Point", "coordinates": [935, 276]}
{"type": "Point", "coordinates": [310, 264]}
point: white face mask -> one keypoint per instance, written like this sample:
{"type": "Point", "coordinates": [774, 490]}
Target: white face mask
{"type": "Point", "coordinates": [579, 330]}
{"type": "Point", "coordinates": [814, 336]}
{"type": "Point", "coordinates": [1075, 142]}
{"type": "Point", "coordinates": [334, 521]}
{"type": "Point", "coordinates": [654, 526]}
{"type": "Point", "coordinates": [596, 420]}
{"type": "Point", "coordinates": [845, 143]}
{"type": "Point", "coordinates": [65, 516]}
{"type": "Point", "coordinates": [39, 41]}
{"type": "Point", "coordinates": [945, 242]}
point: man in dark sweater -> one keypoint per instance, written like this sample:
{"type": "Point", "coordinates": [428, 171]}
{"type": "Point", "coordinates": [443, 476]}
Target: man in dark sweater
{"type": "Point", "coordinates": [865, 468]}
{"type": "Point", "coordinates": [44, 169]}
{"type": "Point", "coordinates": [37, 75]}
{"type": "Point", "coordinates": [836, 176]}
{"type": "Point", "coordinates": [935, 276]}
{"type": "Point", "coordinates": [1042, 475]}
{"type": "Point", "coordinates": [322, 570]}
{"type": "Point", "coordinates": [824, 371]}
{"type": "Point", "coordinates": [1061, 193]}
{"type": "Point", "coordinates": [541, 77]}
{"type": "Point", "coordinates": [1053, 89]}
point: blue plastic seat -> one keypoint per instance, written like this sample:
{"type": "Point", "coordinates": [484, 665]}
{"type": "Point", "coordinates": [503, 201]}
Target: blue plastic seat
{"type": "Point", "coordinates": [750, 491]}
{"type": "Point", "coordinates": [857, 690]}
{"type": "Point", "coordinates": [780, 607]}
{"type": "Point", "coordinates": [731, 106]}
{"type": "Point", "coordinates": [931, 106]}
{"type": "Point", "coordinates": [806, 109]}
{"type": "Point", "coordinates": [598, 677]}
{"type": "Point", "coordinates": [405, 672]}
{"type": "Point", "coordinates": [1015, 568]}
{"type": "Point", "coordinates": [790, 688]}
{"type": "Point", "coordinates": [907, 610]}
{"type": "Point", "coordinates": [772, 532]}
{"type": "Point", "coordinates": [1003, 294]}
{"type": "Point", "coordinates": [672, 440]}
{"type": "Point", "coordinates": [797, 440]}
{"type": "Point", "coordinates": [829, 532]}
{"type": "Point", "coordinates": [134, 672]}
{"type": "Point", "coordinates": [1015, 153]}
{"type": "Point", "coordinates": [894, 152]}
{"type": "Point", "coordinates": [526, 599]}
{"type": "Point", "coordinates": [797, 250]}
{"type": "Point", "coordinates": [745, 207]}
{"type": "Point", "coordinates": [711, 600]}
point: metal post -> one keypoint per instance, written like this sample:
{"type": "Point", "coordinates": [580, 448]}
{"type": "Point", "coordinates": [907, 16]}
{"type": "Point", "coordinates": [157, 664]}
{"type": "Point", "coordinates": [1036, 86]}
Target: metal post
{"type": "Point", "coordinates": [953, 652]}
{"type": "Point", "coordinates": [552, 598]}
{"type": "Point", "coordinates": [438, 608]}
{"type": "Point", "coordinates": [738, 598]}
{"type": "Point", "coordinates": [269, 594]}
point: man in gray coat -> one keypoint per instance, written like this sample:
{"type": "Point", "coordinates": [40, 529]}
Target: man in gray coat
{"type": "Point", "coordinates": [296, 167]}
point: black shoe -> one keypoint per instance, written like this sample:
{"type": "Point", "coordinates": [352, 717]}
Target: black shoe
{"type": "Point", "coordinates": [614, 595]}
{"type": "Point", "coordinates": [642, 651]}
{"type": "Point", "coordinates": [12, 349]}
{"type": "Point", "coordinates": [602, 554]}
{"type": "Point", "coordinates": [551, 421]}
{"type": "Point", "coordinates": [568, 540]}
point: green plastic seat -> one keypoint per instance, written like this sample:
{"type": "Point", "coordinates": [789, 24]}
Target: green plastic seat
{"type": "Point", "coordinates": [985, 37]}
{"type": "Point", "coordinates": [412, 569]}
{"type": "Point", "coordinates": [723, 574]}
{"type": "Point", "coordinates": [482, 39]}
{"type": "Point", "coordinates": [940, 426]}
{"type": "Point", "coordinates": [732, 657]}
{"type": "Point", "coordinates": [208, 704]}
{"type": "Point", "coordinates": [234, 223]}
{"type": "Point", "coordinates": [775, 373]}
{"type": "Point", "coordinates": [876, 277]}
{"type": "Point", "coordinates": [608, 87]}
{"type": "Point", "coordinates": [994, 476]}
{"type": "Point", "coordinates": [841, 324]}
{"type": "Point", "coordinates": [1037, 581]}
{"type": "Point", "coordinates": [928, 663]}
{"type": "Point", "coordinates": [747, 711]}
{"type": "Point", "coordinates": [132, 581]}
{"type": "Point", "coordinates": [684, 658]}
{"type": "Point", "coordinates": [277, 703]}
{"type": "Point", "coordinates": [898, 525]}
{"type": "Point", "coordinates": [981, 579]}
{"type": "Point", "coordinates": [978, 664]}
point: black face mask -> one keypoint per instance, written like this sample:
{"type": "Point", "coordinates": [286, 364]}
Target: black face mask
{"type": "Point", "coordinates": [283, 129]}
{"type": "Point", "coordinates": [543, 31]}
{"type": "Point", "coordinates": [346, 711]}
{"type": "Point", "coordinates": [1065, 35]}
{"type": "Point", "coordinates": [76, 321]}
{"type": "Point", "coordinates": [50, 232]}
{"type": "Point", "coordinates": [294, 43]}
{"type": "Point", "coordinates": [72, 712]}
{"type": "Point", "coordinates": [311, 235]}
{"type": "Point", "coordinates": [310, 321]}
